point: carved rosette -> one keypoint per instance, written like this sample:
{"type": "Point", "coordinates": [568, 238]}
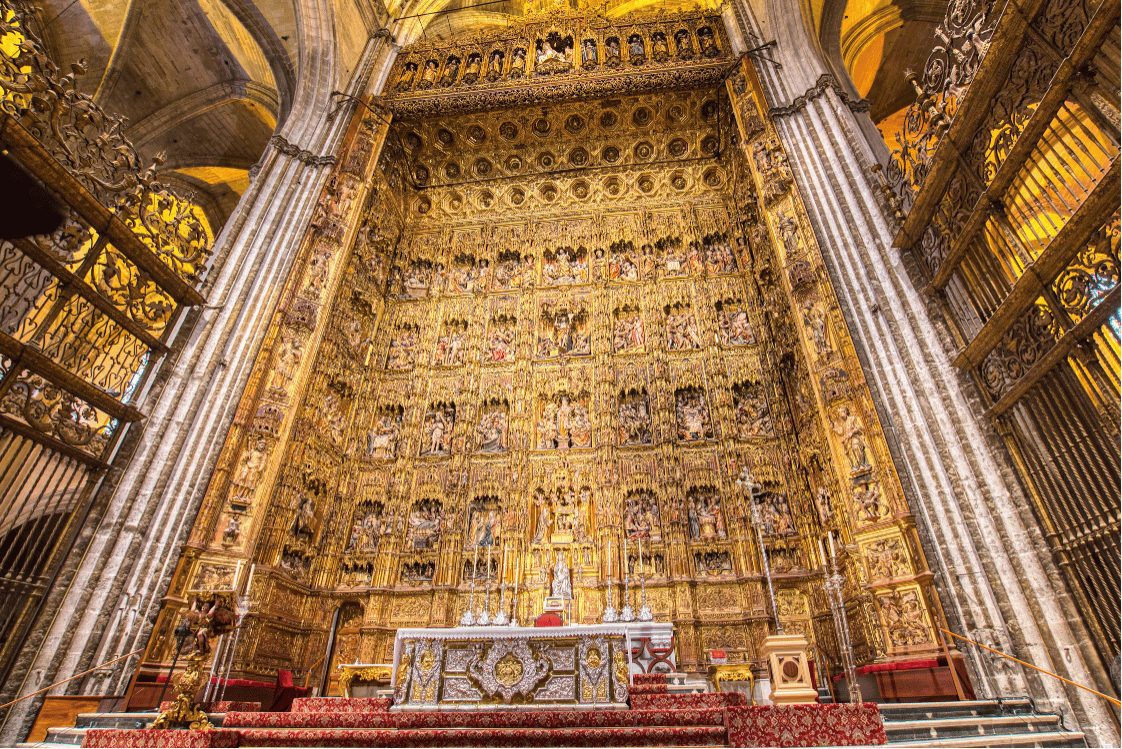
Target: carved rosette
{"type": "Point", "coordinates": [509, 668]}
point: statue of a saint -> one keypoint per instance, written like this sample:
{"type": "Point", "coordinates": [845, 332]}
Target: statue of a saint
{"type": "Point", "coordinates": [562, 585]}
{"type": "Point", "coordinates": [544, 518]}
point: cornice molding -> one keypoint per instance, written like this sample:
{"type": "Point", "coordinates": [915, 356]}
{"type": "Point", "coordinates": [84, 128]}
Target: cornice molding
{"type": "Point", "coordinates": [305, 156]}
{"type": "Point", "coordinates": [825, 81]}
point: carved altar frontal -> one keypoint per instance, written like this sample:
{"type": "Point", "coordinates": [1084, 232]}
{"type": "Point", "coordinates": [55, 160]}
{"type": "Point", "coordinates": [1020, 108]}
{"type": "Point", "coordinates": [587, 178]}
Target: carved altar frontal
{"type": "Point", "coordinates": [465, 668]}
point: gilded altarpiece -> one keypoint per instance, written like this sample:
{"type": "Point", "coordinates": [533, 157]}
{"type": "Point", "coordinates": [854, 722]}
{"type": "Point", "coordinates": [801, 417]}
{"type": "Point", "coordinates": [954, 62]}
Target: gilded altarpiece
{"type": "Point", "coordinates": [518, 332]}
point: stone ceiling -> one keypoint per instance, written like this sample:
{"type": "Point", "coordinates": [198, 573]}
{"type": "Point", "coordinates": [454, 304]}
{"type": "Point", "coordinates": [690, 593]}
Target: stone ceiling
{"type": "Point", "coordinates": [207, 82]}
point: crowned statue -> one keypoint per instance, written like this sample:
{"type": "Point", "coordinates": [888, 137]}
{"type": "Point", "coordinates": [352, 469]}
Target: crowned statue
{"type": "Point", "coordinates": [562, 584]}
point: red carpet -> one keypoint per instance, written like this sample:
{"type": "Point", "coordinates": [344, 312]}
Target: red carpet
{"type": "Point", "coordinates": [480, 719]}
{"type": "Point", "coordinates": [510, 737]}
{"type": "Point", "coordinates": [805, 725]}
{"type": "Point", "coordinates": [656, 719]}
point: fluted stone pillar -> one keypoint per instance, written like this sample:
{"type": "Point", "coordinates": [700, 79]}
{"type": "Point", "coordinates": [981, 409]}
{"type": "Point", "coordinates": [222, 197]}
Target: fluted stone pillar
{"type": "Point", "coordinates": [995, 574]}
{"type": "Point", "coordinates": [109, 593]}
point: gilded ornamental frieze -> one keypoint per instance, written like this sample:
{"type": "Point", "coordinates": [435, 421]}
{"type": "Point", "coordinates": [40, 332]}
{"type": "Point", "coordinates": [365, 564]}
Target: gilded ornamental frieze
{"type": "Point", "coordinates": [556, 56]}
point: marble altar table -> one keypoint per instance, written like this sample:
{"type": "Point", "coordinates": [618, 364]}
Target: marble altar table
{"type": "Point", "coordinates": [465, 668]}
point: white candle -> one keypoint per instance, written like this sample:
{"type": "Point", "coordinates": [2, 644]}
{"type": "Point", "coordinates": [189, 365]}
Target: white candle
{"type": "Point", "coordinates": [833, 556]}
{"type": "Point", "coordinates": [502, 576]}
{"type": "Point", "coordinates": [609, 544]}
{"type": "Point", "coordinates": [640, 556]}
{"type": "Point", "coordinates": [475, 563]}
{"type": "Point", "coordinates": [489, 560]}
{"type": "Point", "coordinates": [517, 579]}
{"type": "Point", "coordinates": [623, 562]}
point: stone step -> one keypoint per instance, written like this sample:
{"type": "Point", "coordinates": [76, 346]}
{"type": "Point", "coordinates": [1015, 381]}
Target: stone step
{"type": "Point", "coordinates": [114, 720]}
{"type": "Point", "coordinates": [941, 728]}
{"type": "Point", "coordinates": [896, 711]}
{"type": "Point", "coordinates": [1043, 739]}
{"type": "Point", "coordinates": [65, 736]}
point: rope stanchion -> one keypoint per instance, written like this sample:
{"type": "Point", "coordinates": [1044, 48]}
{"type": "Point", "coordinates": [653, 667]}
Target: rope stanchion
{"type": "Point", "coordinates": [1034, 668]}
{"type": "Point", "coordinates": [72, 678]}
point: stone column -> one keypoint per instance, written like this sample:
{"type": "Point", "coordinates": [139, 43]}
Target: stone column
{"type": "Point", "coordinates": [109, 592]}
{"type": "Point", "coordinates": [993, 569]}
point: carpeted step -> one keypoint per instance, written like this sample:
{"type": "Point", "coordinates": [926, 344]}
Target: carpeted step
{"type": "Point", "coordinates": [523, 719]}
{"type": "Point", "coordinates": [487, 737]}
{"type": "Point", "coordinates": [702, 701]}
{"type": "Point", "coordinates": [341, 704]}
{"type": "Point", "coordinates": [637, 679]}
{"type": "Point", "coordinates": [649, 688]}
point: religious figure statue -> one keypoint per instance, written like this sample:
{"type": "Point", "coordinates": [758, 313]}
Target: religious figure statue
{"type": "Point", "coordinates": [789, 234]}
{"type": "Point", "coordinates": [405, 80]}
{"type": "Point", "coordinates": [611, 49]}
{"type": "Point", "coordinates": [302, 524]}
{"type": "Point", "coordinates": [495, 66]}
{"type": "Point", "coordinates": [425, 523]}
{"type": "Point", "coordinates": [588, 54]}
{"type": "Point", "coordinates": [692, 416]}
{"type": "Point", "coordinates": [473, 69]}
{"type": "Point", "coordinates": [753, 416]}
{"type": "Point", "coordinates": [402, 350]}
{"type": "Point", "coordinates": [450, 71]}
{"type": "Point", "coordinates": [500, 345]}
{"type": "Point", "coordinates": [870, 508]}
{"type": "Point", "coordinates": [562, 583]}
{"type": "Point", "coordinates": [734, 328]}
{"type": "Point", "coordinates": [660, 51]}
{"type": "Point", "coordinates": [719, 259]}
{"type": "Point", "coordinates": [554, 55]}
{"type": "Point", "coordinates": [545, 516]}
{"type": "Point", "coordinates": [708, 44]}
{"type": "Point", "coordinates": [634, 420]}
{"type": "Point", "coordinates": [681, 331]}
{"type": "Point", "coordinates": [438, 431]}
{"type": "Point", "coordinates": [381, 440]}
{"type": "Point", "coordinates": [815, 320]}
{"type": "Point", "coordinates": [232, 532]}
{"type": "Point", "coordinates": [684, 45]}
{"type": "Point", "coordinates": [517, 63]}
{"type": "Point", "coordinates": [822, 502]}
{"type": "Point", "coordinates": [635, 50]}
{"type": "Point", "coordinates": [209, 619]}
{"type": "Point", "coordinates": [492, 431]}
{"type": "Point", "coordinates": [252, 465]}
{"type": "Point", "coordinates": [848, 426]}
{"type": "Point", "coordinates": [629, 333]}
{"type": "Point", "coordinates": [292, 351]}
{"type": "Point", "coordinates": [449, 348]}
{"type": "Point", "coordinates": [428, 75]}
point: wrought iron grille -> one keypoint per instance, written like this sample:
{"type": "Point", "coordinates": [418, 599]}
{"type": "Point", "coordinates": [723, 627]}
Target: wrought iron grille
{"type": "Point", "coordinates": [1014, 225]}
{"type": "Point", "coordinates": [85, 314]}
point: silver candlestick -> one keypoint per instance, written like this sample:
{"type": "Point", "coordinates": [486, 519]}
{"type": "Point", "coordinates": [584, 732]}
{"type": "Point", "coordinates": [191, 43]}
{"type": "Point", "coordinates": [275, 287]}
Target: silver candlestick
{"type": "Point", "coordinates": [833, 587]}
{"type": "Point", "coordinates": [626, 614]}
{"type": "Point", "coordinates": [484, 617]}
{"type": "Point", "coordinates": [500, 619]}
{"type": "Point", "coordinates": [610, 615]}
{"type": "Point", "coordinates": [468, 619]}
{"type": "Point", "coordinates": [748, 482]}
{"type": "Point", "coordinates": [645, 614]}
